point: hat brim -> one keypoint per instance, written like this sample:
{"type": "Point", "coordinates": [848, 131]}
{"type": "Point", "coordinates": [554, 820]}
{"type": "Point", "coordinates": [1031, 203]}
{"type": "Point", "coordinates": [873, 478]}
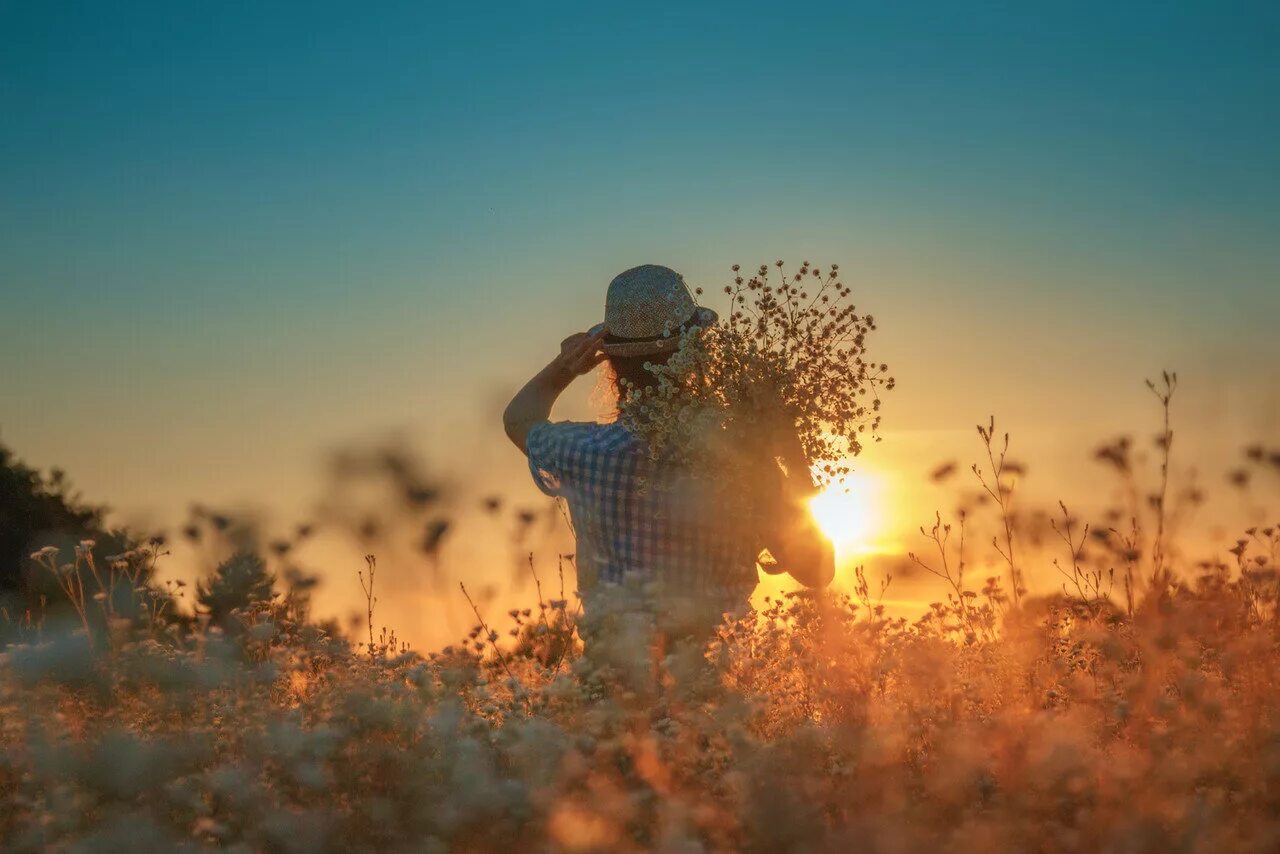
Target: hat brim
{"type": "Point", "coordinates": [702, 318]}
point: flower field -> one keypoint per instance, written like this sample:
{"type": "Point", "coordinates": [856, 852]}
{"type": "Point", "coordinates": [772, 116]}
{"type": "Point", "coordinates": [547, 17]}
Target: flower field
{"type": "Point", "coordinates": [1134, 710]}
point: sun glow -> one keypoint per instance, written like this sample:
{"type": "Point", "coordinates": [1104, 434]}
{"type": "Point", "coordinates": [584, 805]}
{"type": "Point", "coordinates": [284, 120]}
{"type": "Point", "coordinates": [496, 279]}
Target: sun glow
{"type": "Point", "coordinates": [851, 514]}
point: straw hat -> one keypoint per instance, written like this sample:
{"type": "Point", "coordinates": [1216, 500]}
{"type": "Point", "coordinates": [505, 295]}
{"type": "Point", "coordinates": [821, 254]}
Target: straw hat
{"type": "Point", "coordinates": [646, 309]}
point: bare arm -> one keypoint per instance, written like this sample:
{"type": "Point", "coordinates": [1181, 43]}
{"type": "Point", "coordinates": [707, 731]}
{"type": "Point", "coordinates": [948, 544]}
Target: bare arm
{"type": "Point", "coordinates": [579, 353]}
{"type": "Point", "coordinates": [793, 537]}
{"type": "Point", "coordinates": [802, 550]}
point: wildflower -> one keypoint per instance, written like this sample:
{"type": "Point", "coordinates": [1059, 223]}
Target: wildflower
{"type": "Point", "coordinates": [784, 341]}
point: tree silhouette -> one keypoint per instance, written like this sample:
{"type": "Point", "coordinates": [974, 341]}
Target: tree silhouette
{"type": "Point", "coordinates": [37, 511]}
{"type": "Point", "coordinates": [239, 582]}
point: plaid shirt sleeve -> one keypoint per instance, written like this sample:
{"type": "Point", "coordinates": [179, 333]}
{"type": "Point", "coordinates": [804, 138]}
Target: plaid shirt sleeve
{"type": "Point", "coordinates": [556, 455]}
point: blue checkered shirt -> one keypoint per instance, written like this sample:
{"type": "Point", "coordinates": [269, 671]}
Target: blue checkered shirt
{"type": "Point", "coordinates": [636, 516]}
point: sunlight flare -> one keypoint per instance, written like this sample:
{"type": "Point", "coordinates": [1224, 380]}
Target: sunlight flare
{"type": "Point", "coordinates": [851, 515]}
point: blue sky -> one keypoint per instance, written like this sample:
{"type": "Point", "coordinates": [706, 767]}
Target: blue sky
{"type": "Point", "coordinates": [232, 233]}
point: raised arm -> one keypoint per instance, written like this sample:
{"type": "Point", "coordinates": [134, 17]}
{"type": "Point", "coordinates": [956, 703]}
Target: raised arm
{"type": "Point", "coordinates": [579, 353]}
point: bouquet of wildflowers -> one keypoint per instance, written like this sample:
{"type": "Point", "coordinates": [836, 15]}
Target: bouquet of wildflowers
{"type": "Point", "coordinates": [783, 375]}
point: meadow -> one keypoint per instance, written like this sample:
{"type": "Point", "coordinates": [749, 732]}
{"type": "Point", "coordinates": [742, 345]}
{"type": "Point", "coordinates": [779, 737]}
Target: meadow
{"type": "Point", "coordinates": [1130, 705]}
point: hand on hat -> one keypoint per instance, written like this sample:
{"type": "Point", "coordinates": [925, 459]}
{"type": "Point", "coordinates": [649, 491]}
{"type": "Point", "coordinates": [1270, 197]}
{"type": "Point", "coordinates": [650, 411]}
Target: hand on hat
{"type": "Point", "coordinates": [580, 352]}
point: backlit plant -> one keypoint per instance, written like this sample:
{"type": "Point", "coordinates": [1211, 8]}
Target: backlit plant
{"type": "Point", "coordinates": [788, 362]}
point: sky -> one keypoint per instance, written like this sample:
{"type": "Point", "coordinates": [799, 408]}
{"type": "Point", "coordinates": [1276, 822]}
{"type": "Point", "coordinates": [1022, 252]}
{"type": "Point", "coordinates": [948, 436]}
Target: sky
{"type": "Point", "coordinates": [235, 235]}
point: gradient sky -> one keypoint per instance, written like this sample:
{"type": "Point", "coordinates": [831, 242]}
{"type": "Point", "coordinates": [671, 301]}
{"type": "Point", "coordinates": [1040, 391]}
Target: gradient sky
{"type": "Point", "coordinates": [234, 234]}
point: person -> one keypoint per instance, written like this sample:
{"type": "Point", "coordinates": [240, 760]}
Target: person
{"type": "Point", "coordinates": [637, 519]}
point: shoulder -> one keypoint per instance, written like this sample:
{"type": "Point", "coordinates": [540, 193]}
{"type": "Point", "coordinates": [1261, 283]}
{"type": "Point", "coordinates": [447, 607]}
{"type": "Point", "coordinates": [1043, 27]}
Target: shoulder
{"type": "Point", "coordinates": [562, 454]}
{"type": "Point", "coordinates": [571, 443]}
{"type": "Point", "coordinates": [585, 434]}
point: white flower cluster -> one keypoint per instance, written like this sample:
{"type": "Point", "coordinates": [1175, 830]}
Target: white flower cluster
{"type": "Point", "coordinates": [787, 364]}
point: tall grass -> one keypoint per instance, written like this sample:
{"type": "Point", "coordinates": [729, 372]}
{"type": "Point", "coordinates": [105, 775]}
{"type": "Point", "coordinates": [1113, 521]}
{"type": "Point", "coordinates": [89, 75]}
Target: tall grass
{"type": "Point", "coordinates": [1132, 710]}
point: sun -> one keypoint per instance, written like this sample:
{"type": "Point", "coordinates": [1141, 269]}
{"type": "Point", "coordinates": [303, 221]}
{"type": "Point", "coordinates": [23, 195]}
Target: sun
{"type": "Point", "coordinates": [851, 514]}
